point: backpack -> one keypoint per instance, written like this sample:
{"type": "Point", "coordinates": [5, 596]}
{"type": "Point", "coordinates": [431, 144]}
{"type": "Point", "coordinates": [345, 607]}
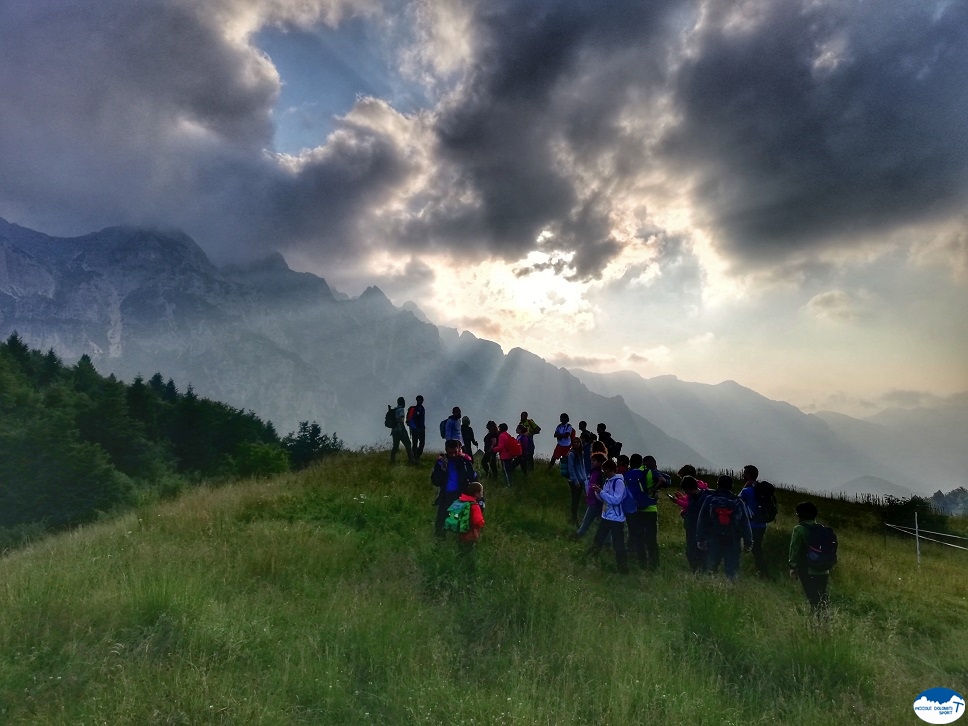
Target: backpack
{"type": "Point", "coordinates": [821, 547]}
{"type": "Point", "coordinates": [514, 447]}
{"type": "Point", "coordinates": [443, 429]}
{"type": "Point", "coordinates": [390, 421]}
{"type": "Point", "coordinates": [723, 514]}
{"type": "Point", "coordinates": [410, 414]}
{"type": "Point", "coordinates": [629, 505]}
{"type": "Point", "coordinates": [766, 507]}
{"type": "Point", "coordinates": [458, 517]}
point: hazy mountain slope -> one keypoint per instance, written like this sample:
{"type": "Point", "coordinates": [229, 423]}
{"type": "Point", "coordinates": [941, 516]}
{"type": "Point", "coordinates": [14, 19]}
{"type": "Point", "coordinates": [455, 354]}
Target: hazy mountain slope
{"type": "Point", "coordinates": [923, 448]}
{"type": "Point", "coordinates": [282, 343]}
{"type": "Point", "coordinates": [734, 426]}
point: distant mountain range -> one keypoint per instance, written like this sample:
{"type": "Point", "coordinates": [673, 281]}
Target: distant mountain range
{"type": "Point", "coordinates": [285, 345]}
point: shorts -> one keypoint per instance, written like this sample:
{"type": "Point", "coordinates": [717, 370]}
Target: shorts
{"type": "Point", "coordinates": [561, 451]}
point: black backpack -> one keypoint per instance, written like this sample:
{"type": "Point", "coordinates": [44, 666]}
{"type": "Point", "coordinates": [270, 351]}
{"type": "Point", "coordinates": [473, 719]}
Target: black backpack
{"type": "Point", "coordinates": [766, 507]}
{"type": "Point", "coordinates": [821, 547]}
{"type": "Point", "coordinates": [390, 421]}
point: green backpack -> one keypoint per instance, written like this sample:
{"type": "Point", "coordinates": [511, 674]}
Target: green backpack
{"type": "Point", "coordinates": [458, 517]}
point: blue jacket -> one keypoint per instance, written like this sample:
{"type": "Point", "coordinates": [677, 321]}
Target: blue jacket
{"type": "Point", "coordinates": [453, 429]}
{"type": "Point", "coordinates": [576, 468]}
{"type": "Point", "coordinates": [453, 475]}
{"type": "Point", "coordinates": [749, 499]}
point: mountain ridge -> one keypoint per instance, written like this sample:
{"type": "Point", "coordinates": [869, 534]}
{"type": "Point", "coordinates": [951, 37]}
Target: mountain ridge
{"type": "Point", "coordinates": [284, 344]}
{"type": "Point", "coordinates": [265, 337]}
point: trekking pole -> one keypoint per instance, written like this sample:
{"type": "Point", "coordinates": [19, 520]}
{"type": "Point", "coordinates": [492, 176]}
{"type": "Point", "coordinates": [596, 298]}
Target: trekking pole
{"type": "Point", "coordinates": [917, 538]}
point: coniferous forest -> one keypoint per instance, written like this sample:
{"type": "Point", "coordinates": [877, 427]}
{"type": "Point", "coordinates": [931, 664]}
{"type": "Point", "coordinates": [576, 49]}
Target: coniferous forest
{"type": "Point", "coordinates": [75, 444]}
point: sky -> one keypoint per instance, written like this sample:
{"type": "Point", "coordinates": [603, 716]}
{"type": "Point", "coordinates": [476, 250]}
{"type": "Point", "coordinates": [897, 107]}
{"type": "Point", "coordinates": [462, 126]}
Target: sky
{"type": "Point", "coordinates": [771, 192]}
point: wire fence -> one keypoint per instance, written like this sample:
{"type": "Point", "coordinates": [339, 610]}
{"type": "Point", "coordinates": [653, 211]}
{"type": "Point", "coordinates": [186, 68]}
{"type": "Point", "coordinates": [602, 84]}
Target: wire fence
{"type": "Point", "coordinates": [919, 534]}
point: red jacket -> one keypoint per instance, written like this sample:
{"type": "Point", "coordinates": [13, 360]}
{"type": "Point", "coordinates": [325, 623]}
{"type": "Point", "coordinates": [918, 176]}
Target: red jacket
{"type": "Point", "coordinates": [477, 520]}
{"type": "Point", "coordinates": [502, 448]}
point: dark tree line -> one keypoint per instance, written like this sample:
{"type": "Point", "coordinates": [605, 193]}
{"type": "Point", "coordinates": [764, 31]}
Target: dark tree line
{"type": "Point", "coordinates": [74, 443]}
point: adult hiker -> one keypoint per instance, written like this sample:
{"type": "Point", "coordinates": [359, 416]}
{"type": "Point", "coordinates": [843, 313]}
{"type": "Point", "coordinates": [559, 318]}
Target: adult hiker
{"type": "Point", "coordinates": [636, 520]}
{"type": "Point", "coordinates": [467, 436]}
{"type": "Point", "coordinates": [532, 429]}
{"type": "Point", "coordinates": [573, 469]}
{"type": "Point", "coordinates": [758, 506]}
{"type": "Point", "coordinates": [694, 497]}
{"type": "Point", "coordinates": [450, 427]}
{"type": "Point", "coordinates": [509, 452]}
{"type": "Point", "coordinates": [813, 551]}
{"type": "Point", "coordinates": [723, 528]}
{"type": "Point", "coordinates": [587, 437]}
{"type": "Point", "coordinates": [593, 504]}
{"type": "Point", "coordinates": [652, 481]}
{"type": "Point", "coordinates": [489, 461]}
{"type": "Point", "coordinates": [417, 422]}
{"type": "Point", "coordinates": [614, 447]}
{"type": "Point", "coordinates": [564, 433]}
{"type": "Point", "coordinates": [452, 473]}
{"type": "Point", "coordinates": [399, 432]}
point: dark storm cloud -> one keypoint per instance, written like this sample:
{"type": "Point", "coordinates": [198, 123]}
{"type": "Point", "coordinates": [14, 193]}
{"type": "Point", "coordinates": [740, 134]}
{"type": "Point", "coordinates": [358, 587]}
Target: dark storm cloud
{"type": "Point", "coordinates": [150, 113]}
{"type": "Point", "coordinates": [807, 125]}
{"type": "Point", "coordinates": [540, 82]}
{"type": "Point", "coordinates": [117, 112]}
{"type": "Point", "coordinates": [322, 204]}
{"type": "Point", "coordinates": [824, 122]}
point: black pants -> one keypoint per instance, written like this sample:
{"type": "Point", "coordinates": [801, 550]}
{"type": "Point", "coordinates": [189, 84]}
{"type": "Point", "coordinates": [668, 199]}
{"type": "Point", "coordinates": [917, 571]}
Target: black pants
{"type": "Point", "coordinates": [636, 523]}
{"type": "Point", "coordinates": [694, 556]}
{"type": "Point", "coordinates": [400, 437]}
{"type": "Point", "coordinates": [489, 462]}
{"type": "Point", "coordinates": [815, 588]}
{"type": "Point", "coordinates": [650, 534]}
{"type": "Point", "coordinates": [576, 491]}
{"type": "Point", "coordinates": [443, 504]}
{"type": "Point", "coordinates": [528, 459]}
{"type": "Point", "coordinates": [758, 559]}
{"type": "Point", "coordinates": [607, 527]}
{"type": "Point", "coordinates": [419, 441]}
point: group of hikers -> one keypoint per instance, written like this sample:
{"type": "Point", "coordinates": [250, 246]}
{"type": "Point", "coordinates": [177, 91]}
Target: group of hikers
{"type": "Point", "coordinates": [621, 495]}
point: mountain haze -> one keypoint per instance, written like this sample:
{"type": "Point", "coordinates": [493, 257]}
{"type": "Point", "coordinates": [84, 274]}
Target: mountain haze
{"type": "Point", "coordinates": [284, 344]}
{"type": "Point", "coordinates": [733, 426]}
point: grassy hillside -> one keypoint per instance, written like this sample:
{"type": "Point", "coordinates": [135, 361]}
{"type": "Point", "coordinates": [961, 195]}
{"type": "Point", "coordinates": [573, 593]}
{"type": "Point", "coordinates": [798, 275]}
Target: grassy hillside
{"type": "Point", "coordinates": [320, 598]}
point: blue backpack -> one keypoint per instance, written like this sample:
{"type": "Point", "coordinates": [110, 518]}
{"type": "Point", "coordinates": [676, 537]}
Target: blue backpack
{"type": "Point", "coordinates": [629, 505]}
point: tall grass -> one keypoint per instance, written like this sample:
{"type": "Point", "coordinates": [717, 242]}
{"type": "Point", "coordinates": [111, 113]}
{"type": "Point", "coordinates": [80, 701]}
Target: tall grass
{"type": "Point", "coordinates": [323, 598]}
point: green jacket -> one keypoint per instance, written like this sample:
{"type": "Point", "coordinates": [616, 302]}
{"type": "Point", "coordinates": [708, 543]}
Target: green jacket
{"type": "Point", "coordinates": [799, 541]}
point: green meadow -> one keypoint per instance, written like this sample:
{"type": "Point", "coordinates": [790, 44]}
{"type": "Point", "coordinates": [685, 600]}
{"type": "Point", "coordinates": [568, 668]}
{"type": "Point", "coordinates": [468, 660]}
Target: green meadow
{"type": "Point", "coordinates": [321, 597]}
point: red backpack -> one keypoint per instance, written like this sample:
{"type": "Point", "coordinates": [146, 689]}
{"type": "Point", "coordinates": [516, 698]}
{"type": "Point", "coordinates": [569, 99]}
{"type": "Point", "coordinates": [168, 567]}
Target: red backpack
{"type": "Point", "coordinates": [514, 447]}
